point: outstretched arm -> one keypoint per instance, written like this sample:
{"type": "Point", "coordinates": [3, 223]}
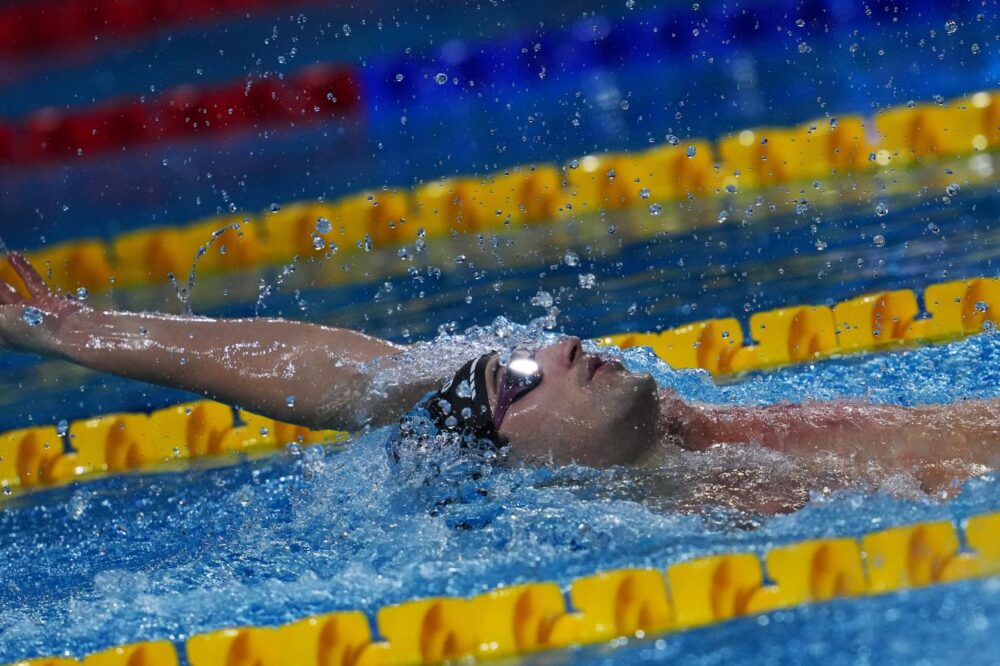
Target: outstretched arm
{"type": "Point", "coordinates": [292, 371]}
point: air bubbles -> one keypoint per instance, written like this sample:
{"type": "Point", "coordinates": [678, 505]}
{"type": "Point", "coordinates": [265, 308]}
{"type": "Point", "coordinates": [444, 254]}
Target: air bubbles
{"type": "Point", "coordinates": [323, 226]}
{"type": "Point", "coordinates": [878, 240]}
{"type": "Point", "coordinates": [951, 27]}
{"type": "Point", "coordinates": [654, 209]}
{"type": "Point", "coordinates": [691, 151]}
{"type": "Point", "coordinates": [290, 401]}
{"type": "Point", "coordinates": [571, 258]}
{"type": "Point", "coordinates": [673, 140]}
{"type": "Point", "coordinates": [82, 293]}
{"type": "Point", "coordinates": [644, 193]}
{"type": "Point", "coordinates": [62, 427]}
{"type": "Point", "coordinates": [32, 316]}
{"type": "Point", "coordinates": [463, 390]}
{"type": "Point", "coordinates": [346, 29]}
{"type": "Point", "coordinates": [820, 245]}
{"type": "Point", "coordinates": [933, 228]}
{"type": "Point", "coordinates": [881, 210]}
{"type": "Point", "coordinates": [952, 189]}
{"type": "Point", "coordinates": [587, 280]}
{"type": "Point", "coordinates": [440, 78]}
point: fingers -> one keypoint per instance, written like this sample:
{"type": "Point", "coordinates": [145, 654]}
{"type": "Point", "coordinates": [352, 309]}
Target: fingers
{"type": "Point", "coordinates": [32, 280]}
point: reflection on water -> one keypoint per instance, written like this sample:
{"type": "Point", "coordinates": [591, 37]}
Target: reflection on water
{"type": "Point", "coordinates": [648, 273]}
{"type": "Point", "coordinates": [266, 541]}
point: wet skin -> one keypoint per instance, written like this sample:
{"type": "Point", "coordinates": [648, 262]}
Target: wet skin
{"type": "Point", "coordinates": [587, 409]}
{"type": "Point", "coordinates": [592, 410]}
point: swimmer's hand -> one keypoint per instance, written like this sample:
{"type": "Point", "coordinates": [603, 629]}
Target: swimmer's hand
{"type": "Point", "coordinates": [35, 323]}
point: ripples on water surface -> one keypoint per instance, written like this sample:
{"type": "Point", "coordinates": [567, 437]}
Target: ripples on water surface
{"type": "Point", "coordinates": [308, 531]}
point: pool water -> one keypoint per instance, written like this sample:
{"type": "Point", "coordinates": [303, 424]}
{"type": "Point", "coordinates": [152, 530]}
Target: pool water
{"type": "Point", "coordinates": [308, 531]}
{"type": "Point", "coordinates": [264, 541]}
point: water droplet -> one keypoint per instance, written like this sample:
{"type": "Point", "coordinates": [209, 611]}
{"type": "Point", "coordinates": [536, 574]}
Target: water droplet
{"type": "Point", "coordinates": [323, 226]}
{"type": "Point", "coordinates": [800, 23]}
{"type": "Point", "coordinates": [441, 78]}
{"type": "Point", "coordinates": [952, 189]}
{"type": "Point", "coordinates": [290, 401]}
{"type": "Point", "coordinates": [673, 140]}
{"type": "Point", "coordinates": [587, 280]}
{"type": "Point", "coordinates": [346, 30]}
{"type": "Point", "coordinates": [143, 331]}
{"type": "Point", "coordinates": [573, 164]}
{"type": "Point", "coordinates": [399, 78]}
{"type": "Point", "coordinates": [451, 422]}
{"type": "Point", "coordinates": [318, 242]}
{"type": "Point", "coordinates": [881, 209]}
{"type": "Point", "coordinates": [463, 390]}
{"type": "Point", "coordinates": [691, 151]}
{"type": "Point", "coordinates": [81, 294]}
{"type": "Point", "coordinates": [571, 258]}
{"type": "Point", "coordinates": [950, 27]}
{"type": "Point", "coordinates": [879, 240]}
{"type": "Point", "coordinates": [820, 245]}
{"type": "Point", "coordinates": [982, 306]}
{"type": "Point", "coordinates": [460, 259]}
{"type": "Point", "coordinates": [32, 316]}
{"type": "Point", "coordinates": [654, 209]}
{"type": "Point", "coordinates": [542, 299]}
{"type": "Point", "coordinates": [630, 4]}
{"type": "Point", "coordinates": [933, 228]}
{"type": "Point", "coordinates": [644, 193]}
{"type": "Point", "coordinates": [62, 427]}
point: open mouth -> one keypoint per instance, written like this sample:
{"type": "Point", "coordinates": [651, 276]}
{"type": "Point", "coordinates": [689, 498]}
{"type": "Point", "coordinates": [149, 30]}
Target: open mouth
{"type": "Point", "coordinates": [594, 363]}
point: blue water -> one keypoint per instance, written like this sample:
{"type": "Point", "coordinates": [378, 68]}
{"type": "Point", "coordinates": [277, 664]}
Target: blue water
{"type": "Point", "coordinates": [691, 268]}
{"type": "Point", "coordinates": [152, 556]}
{"type": "Point", "coordinates": [308, 531]}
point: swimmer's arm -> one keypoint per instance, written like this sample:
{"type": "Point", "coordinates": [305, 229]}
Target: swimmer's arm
{"type": "Point", "coordinates": [931, 441]}
{"type": "Point", "coordinates": [258, 364]}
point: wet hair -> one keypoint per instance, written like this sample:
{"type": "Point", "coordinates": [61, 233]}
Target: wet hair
{"type": "Point", "coordinates": [459, 409]}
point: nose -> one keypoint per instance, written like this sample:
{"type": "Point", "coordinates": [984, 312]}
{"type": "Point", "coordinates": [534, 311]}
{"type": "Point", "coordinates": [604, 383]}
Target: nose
{"type": "Point", "coordinates": [570, 349]}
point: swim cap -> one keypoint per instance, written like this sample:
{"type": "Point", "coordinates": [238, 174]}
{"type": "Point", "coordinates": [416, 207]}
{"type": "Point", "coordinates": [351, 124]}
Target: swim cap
{"type": "Point", "coordinates": [462, 405]}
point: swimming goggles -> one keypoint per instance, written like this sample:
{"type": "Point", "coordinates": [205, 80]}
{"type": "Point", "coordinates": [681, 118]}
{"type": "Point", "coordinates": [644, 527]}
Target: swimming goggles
{"type": "Point", "coordinates": [521, 374]}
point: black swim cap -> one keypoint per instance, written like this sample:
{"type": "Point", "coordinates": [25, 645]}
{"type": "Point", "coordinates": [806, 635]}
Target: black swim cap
{"type": "Point", "coordinates": [462, 405]}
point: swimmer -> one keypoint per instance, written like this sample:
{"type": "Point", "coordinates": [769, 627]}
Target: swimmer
{"type": "Point", "coordinates": [556, 404]}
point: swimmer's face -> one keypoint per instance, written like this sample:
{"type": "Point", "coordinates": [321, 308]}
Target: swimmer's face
{"type": "Point", "coordinates": [587, 409]}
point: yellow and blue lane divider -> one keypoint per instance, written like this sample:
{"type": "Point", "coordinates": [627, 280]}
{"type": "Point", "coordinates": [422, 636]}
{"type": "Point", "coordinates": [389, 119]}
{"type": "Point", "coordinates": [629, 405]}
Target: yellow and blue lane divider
{"type": "Point", "coordinates": [896, 137]}
{"type": "Point", "coordinates": [522, 619]}
{"type": "Point", "coordinates": [44, 456]}
{"type": "Point", "coordinates": [802, 333]}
